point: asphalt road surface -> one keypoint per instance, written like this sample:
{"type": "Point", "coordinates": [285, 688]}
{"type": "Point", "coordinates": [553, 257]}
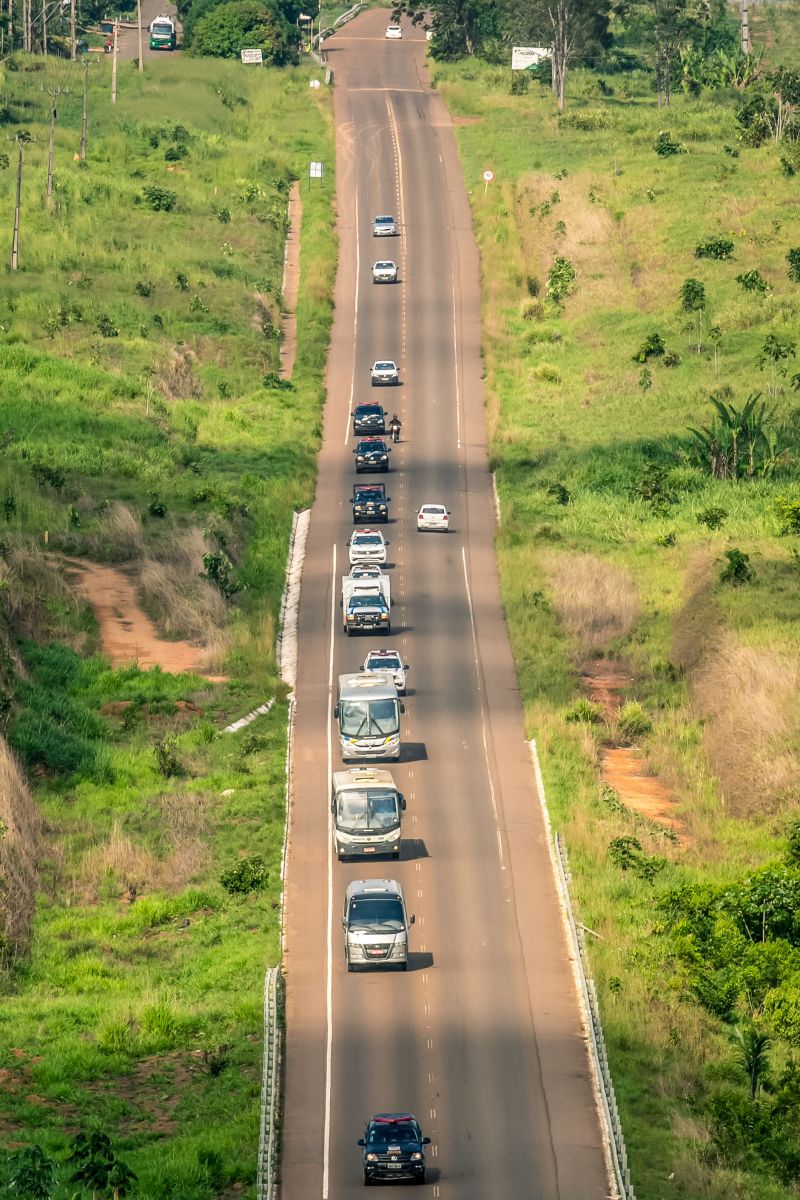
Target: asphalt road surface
{"type": "Point", "coordinates": [128, 44]}
{"type": "Point", "coordinates": [481, 1038]}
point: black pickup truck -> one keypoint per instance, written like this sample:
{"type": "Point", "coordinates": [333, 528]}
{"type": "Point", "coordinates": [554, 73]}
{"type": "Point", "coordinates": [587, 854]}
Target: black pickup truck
{"type": "Point", "coordinates": [370, 502]}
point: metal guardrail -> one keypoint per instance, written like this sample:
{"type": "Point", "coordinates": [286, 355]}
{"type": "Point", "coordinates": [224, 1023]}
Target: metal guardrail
{"type": "Point", "coordinates": [613, 1124]}
{"type": "Point", "coordinates": [270, 1084]}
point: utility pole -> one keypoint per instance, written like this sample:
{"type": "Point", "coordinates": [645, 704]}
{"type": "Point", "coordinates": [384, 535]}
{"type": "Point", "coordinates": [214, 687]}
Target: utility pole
{"type": "Point", "coordinates": [22, 139]}
{"type": "Point", "coordinates": [44, 27]}
{"type": "Point", "coordinates": [85, 115]}
{"type": "Point", "coordinates": [747, 45]}
{"type": "Point", "coordinates": [114, 63]}
{"type": "Point", "coordinates": [73, 40]}
{"type": "Point", "coordinates": [54, 92]}
{"type": "Point", "coordinates": [10, 24]}
{"type": "Point", "coordinates": [139, 24]}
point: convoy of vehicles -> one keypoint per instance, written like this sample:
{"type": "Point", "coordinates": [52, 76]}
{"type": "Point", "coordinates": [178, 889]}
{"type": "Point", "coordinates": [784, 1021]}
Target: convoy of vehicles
{"type": "Point", "coordinates": [367, 813]}
{"type": "Point", "coordinates": [376, 924]}
{"type": "Point", "coordinates": [370, 502]}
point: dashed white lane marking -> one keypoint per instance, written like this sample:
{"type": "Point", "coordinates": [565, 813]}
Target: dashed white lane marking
{"type": "Point", "coordinates": [326, 1150]}
{"type": "Point", "coordinates": [456, 372]}
{"type": "Point", "coordinates": [476, 660]}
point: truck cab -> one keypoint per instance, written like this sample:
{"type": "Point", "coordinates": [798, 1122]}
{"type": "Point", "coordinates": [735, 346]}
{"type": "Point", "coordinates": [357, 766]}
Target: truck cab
{"type": "Point", "coordinates": [163, 34]}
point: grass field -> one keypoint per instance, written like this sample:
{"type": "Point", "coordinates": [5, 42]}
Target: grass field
{"type": "Point", "coordinates": [612, 548]}
{"type": "Point", "coordinates": [142, 422]}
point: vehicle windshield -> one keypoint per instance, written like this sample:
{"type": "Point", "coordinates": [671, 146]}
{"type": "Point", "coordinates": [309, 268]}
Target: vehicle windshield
{"type": "Point", "coordinates": [160, 27]}
{"type": "Point", "coordinates": [369, 540]}
{"type": "Point", "coordinates": [369, 718]}
{"type": "Point", "coordinates": [369, 410]}
{"type": "Point", "coordinates": [371, 448]}
{"type": "Point", "coordinates": [384, 366]}
{"type": "Point", "coordinates": [433, 512]}
{"type": "Point", "coordinates": [384, 220]}
{"type": "Point", "coordinates": [392, 1134]}
{"type": "Point", "coordinates": [375, 809]}
{"type": "Point", "coordinates": [384, 266]}
{"type": "Point", "coordinates": [369, 494]}
{"type": "Point", "coordinates": [384, 913]}
{"type": "Point", "coordinates": [387, 662]}
{"type": "Point", "coordinates": [367, 602]}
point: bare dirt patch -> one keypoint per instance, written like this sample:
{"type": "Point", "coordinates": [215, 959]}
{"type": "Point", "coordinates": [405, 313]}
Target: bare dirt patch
{"type": "Point", "coordinates": [621, 767]}
{"type": "Point", "coordinates": [291, 283]}
{"type": "Point", "coordinates": [127, 634]}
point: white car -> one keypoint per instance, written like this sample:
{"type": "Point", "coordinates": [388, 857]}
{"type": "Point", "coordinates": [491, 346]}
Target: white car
{"type": "Point", "coordinates": [433, 516]}
{"type": "Point", "coordinates": [367, 545]}
{"type": "Point", "coordinates": [391, 661]}
{"type": "Point", "coordinates": [393, 32]}
{"type": "Point", "coordinates": [384, 271]}
{"type": "Point", "coordinates": [384, 371]}
{"type": "Point", "coordinates": [385, 226]}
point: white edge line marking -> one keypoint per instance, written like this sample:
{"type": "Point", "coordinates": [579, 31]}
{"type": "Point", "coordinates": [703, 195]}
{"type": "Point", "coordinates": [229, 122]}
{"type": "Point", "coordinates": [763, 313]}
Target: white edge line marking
{"type": "Point", "coordinates": [326, 1148]}
{"type": "Point", "coordinates": [483, 712]}
{"type": "Point", "coordinates": [457, 378]}
{"type": "Point", "coordinates": [355, 329]}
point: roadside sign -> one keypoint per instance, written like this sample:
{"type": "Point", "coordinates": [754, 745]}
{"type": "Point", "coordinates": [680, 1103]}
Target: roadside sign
{"type": "Point", "coordinates": [315, 170]}
{"type": "Point", "coordinates": [313, 83]}
{"type": "Point", "coordinates": [488, 176]}
{"type": "Point", "coordinates": [252, 56]}
{"type": "Point", "coordinates": [523, 57]}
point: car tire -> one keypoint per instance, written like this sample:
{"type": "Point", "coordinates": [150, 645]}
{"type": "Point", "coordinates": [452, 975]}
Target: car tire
{"type": "Point", "coordinates": [367, 1179]}
{"type": "Point", "coordinates": [395, 855]}
{"type": "Point", "coordinates": [421, 1179]}
{"type": "Point", "coordinates": [350, 966]}
{"type": "Point", "coordinates": [404, 965]}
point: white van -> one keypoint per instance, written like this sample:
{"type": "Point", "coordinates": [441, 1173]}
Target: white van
{"type": "Point", "coordinates": [375, 924]}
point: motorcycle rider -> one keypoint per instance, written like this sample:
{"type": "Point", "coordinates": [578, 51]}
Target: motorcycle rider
{"type": "Point", "coordinates": [394, 427]}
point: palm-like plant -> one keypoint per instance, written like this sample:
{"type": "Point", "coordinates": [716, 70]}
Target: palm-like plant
{"type": "Point", "coordinates": [739, 441]}
{"type": "Point", "coordinates": [751, 1054]}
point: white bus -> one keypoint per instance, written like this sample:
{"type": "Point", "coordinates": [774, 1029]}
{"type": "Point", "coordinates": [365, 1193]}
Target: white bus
{"type": "Point", "coordinates": [368, 713]}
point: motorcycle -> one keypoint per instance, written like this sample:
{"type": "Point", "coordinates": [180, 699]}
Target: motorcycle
{"type": "Point", "coordinates": [394, 431]}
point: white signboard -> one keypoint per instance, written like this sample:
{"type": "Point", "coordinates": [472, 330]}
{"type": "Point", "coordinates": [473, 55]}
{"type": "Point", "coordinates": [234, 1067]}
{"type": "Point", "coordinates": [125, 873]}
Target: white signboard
{"type": "Point", "coordinates": [252, 56]}
{"type": "Point", "coordinates": [523, 57]}
{"type": "Point", "coordinates": [315, 170]}
{"type": "Point", "coordinates": [313, 83]}
{"type": "Point", "coordinates": [488, 176]}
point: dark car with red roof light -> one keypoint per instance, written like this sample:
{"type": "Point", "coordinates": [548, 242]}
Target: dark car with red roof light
{"type": "Point", "coordinates": [393, 1148]}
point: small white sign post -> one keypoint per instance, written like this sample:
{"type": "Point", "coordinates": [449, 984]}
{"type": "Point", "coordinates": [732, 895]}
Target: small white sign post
{"type": "Point", "coordinates": [488, 176]}
{"type": "Point", "coordinates": [315, 171]}
{"type": "Point", "coordinates": [523, 57]}
{"type": "Point", "coordinates": [252, 56]}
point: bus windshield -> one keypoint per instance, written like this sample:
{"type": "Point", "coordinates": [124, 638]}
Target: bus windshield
{"type": "Point", "coordinates": [368, 718]}
{"type": "Point", "coordinates": [376, 809]}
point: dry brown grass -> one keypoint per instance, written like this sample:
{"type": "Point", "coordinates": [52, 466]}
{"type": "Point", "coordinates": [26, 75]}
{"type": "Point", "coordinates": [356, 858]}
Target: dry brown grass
{"type": "Point", "coordinates": [176, 378]}
{"type": "Point", "coordinates": [748, 699]}
{"type": "Point", "coordinates": [696, 626]}
{"type": "Point", "coordinates": [19, 854]}
{"type": "Point", "coordinates": [123, 867]}
{"type": "Point", "coordinates": [181, 602]}
{"type": "Point", "coordinates": [38, 597]}
{"type": "Point", "coordinates": [120, 534]}
{"type": "Point", "coordinates": [596, 601]}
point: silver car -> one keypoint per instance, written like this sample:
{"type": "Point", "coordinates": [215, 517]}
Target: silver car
{"type": "Point", "coordinates": [384, 271]}
{"type": "Point", "coordinates": [384, 371]}
{"type": "Point", "coordinates": [385, 226]}
{"type": "Point", "coordinates": [375, 924]}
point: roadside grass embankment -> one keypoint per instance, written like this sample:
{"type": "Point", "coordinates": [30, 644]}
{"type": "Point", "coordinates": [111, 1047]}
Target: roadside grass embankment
{"type": "Point", "coordinates": [143, 423]}
{"type": "Point", "coordinates": [613, 547]}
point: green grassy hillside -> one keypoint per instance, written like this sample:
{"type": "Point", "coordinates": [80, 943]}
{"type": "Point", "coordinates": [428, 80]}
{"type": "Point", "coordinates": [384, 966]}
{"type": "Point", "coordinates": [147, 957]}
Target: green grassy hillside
{"type": "Point", "coordinates": [143, 423]}
{"type": "Point", "coordinates": [614, 545]}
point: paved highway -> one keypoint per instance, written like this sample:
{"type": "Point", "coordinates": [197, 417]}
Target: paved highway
{"type": "Point", "coordinates": [481, 1038]}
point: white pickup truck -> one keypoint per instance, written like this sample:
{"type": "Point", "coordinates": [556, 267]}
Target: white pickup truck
{"type": "Point", "coordinates": [365, 582]}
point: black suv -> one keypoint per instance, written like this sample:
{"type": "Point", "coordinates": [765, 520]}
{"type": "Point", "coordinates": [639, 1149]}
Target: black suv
{"type": "Point", "coordinates": [372, 454]}
{"type": "Point", "coordinates": [393, 1148]}
{"type": "Point", "coordinates": [370, 502]}
{"type": "Point", "coordinates": [369, 418]}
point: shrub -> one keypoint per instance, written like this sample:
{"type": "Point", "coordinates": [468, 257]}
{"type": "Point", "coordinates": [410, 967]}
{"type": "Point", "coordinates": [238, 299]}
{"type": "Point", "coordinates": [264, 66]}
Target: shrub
{"type": "Point", "coordinates": [671, 358]}
{"type": "Point", "coordinates": [633, 721]}
{"type": "Point", "coordinates": [559, 492]}
{"type": "Point", "coordinates": [182, 282]}
{"type": "Point", "coordinates": [693, 295]}
{"type": "Point", "coordinates": [106, 327]}
{"type": "Point", "coordinates": [159, 199]}
{"type": "Point", "coordinates": [652, 347]}
{"type": "Point", "coordinates": [738, 571]}
{"type": "Point", "coordinates": [167, 759]}
{"type": "Point", "coordinates": [250, 874]}
{"type": "Point", "coordinates": [144, 288]}
{"type": "Point", "coordinates": [584, 710]}
{"type": "Point", "coordinates": [157, 508]}
{"type": "Point", "coordinates": [175, 153]}
{"type": "Point", "coordinates": [718, 248]}
{"type": "Point", "coordinates": [753, 281]}
{"type": "Point", "coordinates": [712, 518]}
{"type": "Point", "coordinates": [793, 259]}
{"type": "Point", "coordinates": [788, 512]}
{"type": "Point", "coordinates": [219, 571]}
{"type": "Point", "coordinates": [665, 145]}
{"type": "Point", "coordinates": [560, 279]}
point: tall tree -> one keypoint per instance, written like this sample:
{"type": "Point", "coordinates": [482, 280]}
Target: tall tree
{"type": "Point", "coordinates": [669, 26]}
{"type": "Point", "coordinates": [461, 28]}
{"type": "Point", "coordinates": [572, 28]}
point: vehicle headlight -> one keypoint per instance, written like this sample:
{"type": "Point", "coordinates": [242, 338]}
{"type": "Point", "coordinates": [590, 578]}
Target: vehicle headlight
{"type": "Point", "coordinates": [351, 616]}
{"type": "Point", "coordinates": [384, 616]}
{"type": "Point", "coordinates": [416, 1156]}
{"type": "Point", "coordinates": [372, 1158]}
